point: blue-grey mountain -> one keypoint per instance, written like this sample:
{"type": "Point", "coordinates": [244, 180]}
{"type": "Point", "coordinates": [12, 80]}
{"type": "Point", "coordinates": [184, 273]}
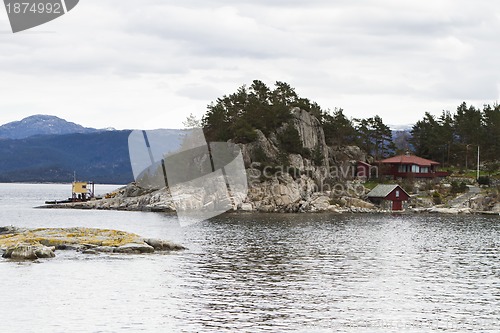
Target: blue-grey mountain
{"type": "Point", "coordinates": [49, 149]}
{"type": "Point", "coordinates": [41, 125]}
{"type": "Point", "coordinates": [101, 157]}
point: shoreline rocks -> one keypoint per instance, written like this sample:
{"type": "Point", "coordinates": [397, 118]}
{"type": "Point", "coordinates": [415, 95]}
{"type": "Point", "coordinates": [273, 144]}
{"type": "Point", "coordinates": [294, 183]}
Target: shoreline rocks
{"type": "Point", "coordinates": [280, 194]}
{"type": "Point", "coordinates": [33, 244]}
{"type": "Point", "coordinates": [26, 251]}
{"type": "Point", "coordinates": [315, 203]}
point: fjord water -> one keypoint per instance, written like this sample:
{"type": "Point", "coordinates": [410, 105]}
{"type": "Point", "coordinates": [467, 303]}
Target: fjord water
{"type": "Point", "coordinates": [257, 273]}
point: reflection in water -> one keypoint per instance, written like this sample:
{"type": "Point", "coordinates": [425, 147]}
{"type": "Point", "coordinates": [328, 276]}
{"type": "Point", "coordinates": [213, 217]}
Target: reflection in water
{"type": "Point", "coordinates": [264, 273]}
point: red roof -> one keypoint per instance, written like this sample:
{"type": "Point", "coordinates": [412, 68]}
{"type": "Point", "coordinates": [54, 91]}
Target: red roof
{"type": "Point", "coordinates": [409, 159]}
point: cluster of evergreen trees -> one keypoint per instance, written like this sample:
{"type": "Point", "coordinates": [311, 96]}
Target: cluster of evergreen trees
{"type": "Point", "coordinates": [453, 138]}
{"type": "Point", "coordinates": [370, 134]}
{"type": "Point", "coordinates": [238, 115]}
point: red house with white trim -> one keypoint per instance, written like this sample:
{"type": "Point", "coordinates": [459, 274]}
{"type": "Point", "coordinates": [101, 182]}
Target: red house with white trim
{"type": "Point", "coordinates": [410, 166]}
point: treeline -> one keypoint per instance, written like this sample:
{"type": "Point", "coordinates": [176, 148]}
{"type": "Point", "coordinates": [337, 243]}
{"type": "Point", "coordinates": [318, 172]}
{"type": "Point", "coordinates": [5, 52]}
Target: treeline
{"type": "Point", "coordinates": [453, 138]}
{"type": "Point", "coordinates": [370, 134]}
{"type": "Point", "coordinates": [258, 107]}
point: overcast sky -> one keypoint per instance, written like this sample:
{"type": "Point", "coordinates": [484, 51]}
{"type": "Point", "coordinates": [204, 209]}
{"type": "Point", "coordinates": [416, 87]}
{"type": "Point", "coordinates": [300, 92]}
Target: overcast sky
{"type": "Point", "coordinates": [149, 63]}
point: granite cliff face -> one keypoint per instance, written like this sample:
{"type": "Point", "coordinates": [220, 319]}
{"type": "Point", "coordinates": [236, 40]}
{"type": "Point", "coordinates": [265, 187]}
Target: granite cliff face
{"type": "Point", "coordinates": [311, 132]}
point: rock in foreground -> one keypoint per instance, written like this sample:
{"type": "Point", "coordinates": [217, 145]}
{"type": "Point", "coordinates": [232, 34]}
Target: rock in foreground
{"type": "Point", "coordinates": [32, 244]}
{"type": "Point", "coordinates": [27, 251]}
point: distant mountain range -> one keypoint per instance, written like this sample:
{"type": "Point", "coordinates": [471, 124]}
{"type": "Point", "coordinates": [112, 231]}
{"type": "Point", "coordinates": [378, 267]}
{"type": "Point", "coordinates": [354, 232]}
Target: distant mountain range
{"type": "Point", "coordinates": [101, 157]}
{"type": "Point", "coordinates": [44, 148]}
{"type": "Point", "coordinates": [42, 125]}
{"type": "Point", "coordinates": [401, 128]}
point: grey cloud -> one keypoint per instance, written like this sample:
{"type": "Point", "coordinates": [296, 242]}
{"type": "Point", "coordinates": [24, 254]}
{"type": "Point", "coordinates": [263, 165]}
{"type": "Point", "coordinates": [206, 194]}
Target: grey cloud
{"type": "Point", "coordinates": [219, 32]}
{"type": "Point", "coordinates": [200, 91]}
{"type": "Point", "coordinates": [426, 52]}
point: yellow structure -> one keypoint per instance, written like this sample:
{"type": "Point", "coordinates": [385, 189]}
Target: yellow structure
{"type": "Point", "coordinates": [80, 187]}
{"type": "Point", "coordinates": [82, 190]}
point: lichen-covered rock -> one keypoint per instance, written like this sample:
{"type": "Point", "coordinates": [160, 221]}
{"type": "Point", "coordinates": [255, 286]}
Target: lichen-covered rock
{"type": "Point", "coordinates": [22, 252]}
{"type": "Point", "coordinates": [71, 247]}
{"type": "Point", "coordinates": [10, 230]}
{"type": "Point", "coordinates": [60, 237]}
{"type": "Point", "coordinates": [104, 249]}
{"type": "Point", "coordinates": [32, 244]}
{"type": "Point", "coordinates": [45, 252]}
{"type": "Point", "coordinates": [28, 252]}
{"type": "Point", "coordinates": [321, 203]}
{"type": "Point", "coordinates": [161, 245]}
{"type": "Point", "coordinates": [136, 248]}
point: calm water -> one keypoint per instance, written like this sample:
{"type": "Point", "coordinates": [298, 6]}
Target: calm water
{"type": "Point", "coordinates": [257, 273]}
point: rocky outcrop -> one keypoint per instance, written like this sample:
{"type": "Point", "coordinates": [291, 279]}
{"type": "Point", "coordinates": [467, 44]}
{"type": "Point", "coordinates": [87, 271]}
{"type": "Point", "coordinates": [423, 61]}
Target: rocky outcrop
{"type": "Point", "coordinates": [10, 230]}
{"type": "Point", "coordinates": [162, 245]}
{"type": "Point", "coordinates": [136, 248]}
{"type": "Point", "coordinates": [277, 183]}
{"type": "Point", "coordinates": [347, 154]}
{"type": "Point", "coordinates": [261, 149]}
{"type": "Point", "coordinates": [267, 148]}
{"type": "Point", "coordinates": [311, 132]}
{"type": "Point", "coordinates": [148, 201]}
{"type": "Point", "coordinates": [356, 203]}
{"type": "Point", "coordinates": [452, 211]}
{"type": "Point", "coordinates": [484, 202]}
{"type": "Point", "coordinates": [279, 194]}
{"type": "Point", "coordinates": [475, 201]}
{"type": "Point", "coordinates": [279, 191]}
{"type": "Point", "coordinates": [33, 244]}
{"type": "Point", "coordinates": [25, 251]}
{"type": "Point", "coordinates": [344, 161]}
{"type": "Point", "coordinates": [496, 208]}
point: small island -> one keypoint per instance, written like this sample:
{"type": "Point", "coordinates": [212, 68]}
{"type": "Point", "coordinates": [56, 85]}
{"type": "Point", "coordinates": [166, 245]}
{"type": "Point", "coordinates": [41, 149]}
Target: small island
{"type": "Point", "coordinates": [32, 244]}
{"type": "Point", "coordinates": [300, 158]}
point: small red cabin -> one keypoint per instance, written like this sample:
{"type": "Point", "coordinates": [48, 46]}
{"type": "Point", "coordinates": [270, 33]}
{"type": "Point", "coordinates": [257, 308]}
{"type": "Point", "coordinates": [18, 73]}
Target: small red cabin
{"type": "Point", "coordinates": [392, 193]}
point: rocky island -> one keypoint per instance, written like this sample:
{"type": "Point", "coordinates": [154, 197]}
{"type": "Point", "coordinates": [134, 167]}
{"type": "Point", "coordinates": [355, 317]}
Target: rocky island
{"type": "Point", "coordinates": [278, 180]}
{"type": "Point", "coordinates": [32, 244]}
{"type": "Point", "coordinates": [300, 158]}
